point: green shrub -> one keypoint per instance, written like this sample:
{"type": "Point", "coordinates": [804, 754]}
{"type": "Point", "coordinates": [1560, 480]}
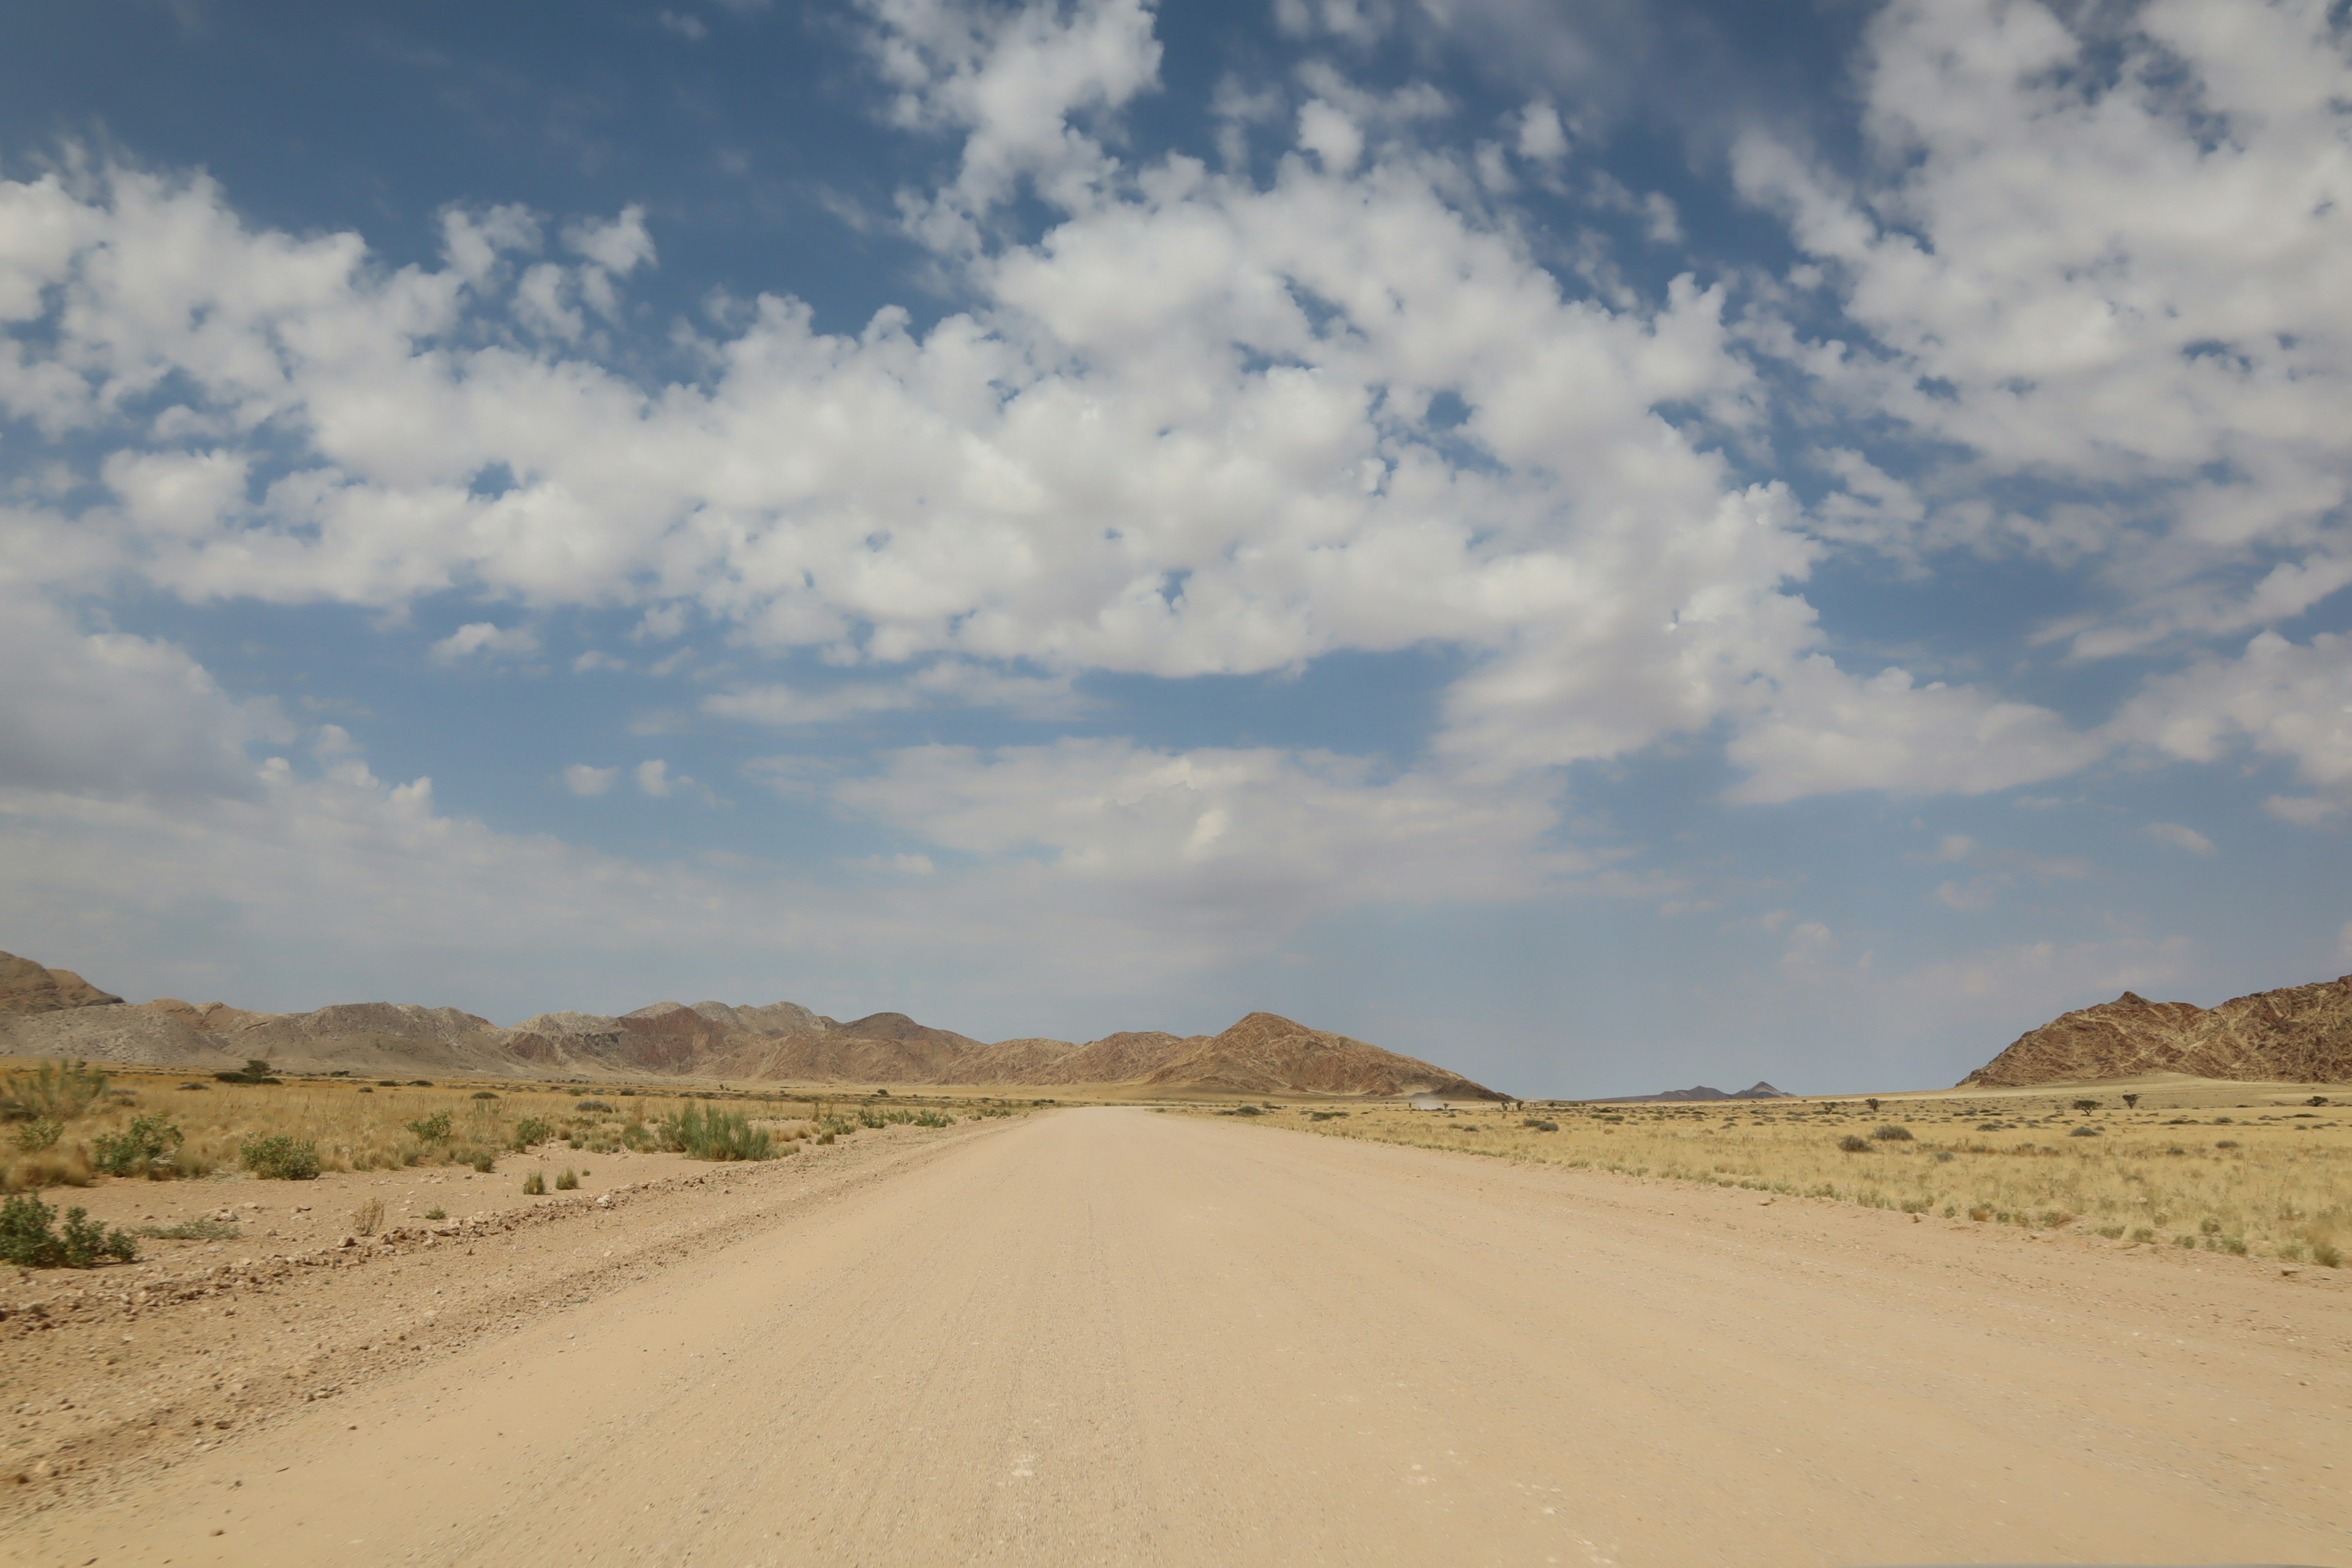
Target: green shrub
{"type": "Point", "coordinates": [1853, 1146]}
{"type": "Point", "coordinates": [143, 1149]}
{"type": "Point", "coordinates": [532, 1129]}
{"type": "Point", "coordinates": [2326, 1254]}
{"type": "Point", "coordinates": [255, 1070]}
{"type": "Point", "coordinates": [593, 1105]}
{"type": "Point", "coordinates": [38, 1136]}
{"type": "Point", "coordinates": [534, 1184]}
{"type": "Point", "coordinates": [700, 1134]}
{"type": "Point", "coordinates": [932, 1119]}
{"type": "Point", "coordinates": [1536, 1122]}
{"type": "Point", "coordinates": [432, 1129]}
{"type": "Point", "coordinates": [27, 1240]}
{"type": "Point", "coordinates": [54, 1091]}
{"type": "Point", "coordinates": [638, 1137]}
{"type": "Point", "coordinates": [281, 1157]}
{"type": "Point", "coordinates": [1891, 1133]}
{"type": "Point", "coordinates": [569, 1182]}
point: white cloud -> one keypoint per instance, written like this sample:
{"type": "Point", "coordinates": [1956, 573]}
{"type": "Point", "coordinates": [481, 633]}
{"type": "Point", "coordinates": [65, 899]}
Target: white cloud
{"type": "Point", "coordinates": [581, 778]}
{"type": "Point", "coordinates": [653, 778]}
{"type": "Point", "coordinates": [1261, 838]}
{"type": "Point", "coordinates": [1542, 139]}
{"type": "Point", "coordinates": [2180, 836]}
{"type": "Point", "coordinates": [1824, 731]}
{"type": "Point", "coordinates": [1012, 79]}
{"type": "Point", "coordinates": [619, 246]}
{"type": "Point", "coordinates": [2283, 700]}
{"type": "Point", "coordinates": [113, 715]}
{"type": "Point", "coordinates": [2098, 249]}
{"type": "Point", "coordinates": [486, 638]}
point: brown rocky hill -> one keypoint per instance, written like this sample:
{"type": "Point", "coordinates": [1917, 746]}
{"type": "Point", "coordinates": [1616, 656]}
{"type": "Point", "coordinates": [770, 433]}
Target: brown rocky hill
{"type": "Point", "coordinates": [1267, 1054]}
{"type": "Point", "coordinates": [780, 1042]}
{"type": "Point", "coordinates": [27, 987]}
{"type": "Point", "coordinates": [2301, 1034]}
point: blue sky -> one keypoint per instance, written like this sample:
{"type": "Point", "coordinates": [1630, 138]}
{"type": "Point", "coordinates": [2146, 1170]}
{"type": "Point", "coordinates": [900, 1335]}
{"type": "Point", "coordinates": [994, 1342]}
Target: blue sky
{"type": "Point", "coordinates": [1607, 545]}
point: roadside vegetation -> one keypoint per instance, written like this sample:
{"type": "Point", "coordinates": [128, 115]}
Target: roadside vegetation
{"type": "Point", "coordinates": [68, 1124]}
{"type": "Point", "coordinates": [2264, 1175]}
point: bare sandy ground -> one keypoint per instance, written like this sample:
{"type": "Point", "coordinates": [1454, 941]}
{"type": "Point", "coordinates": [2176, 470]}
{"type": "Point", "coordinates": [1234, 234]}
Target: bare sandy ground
{"type": "Point", "coordinates": [1115, 1336]}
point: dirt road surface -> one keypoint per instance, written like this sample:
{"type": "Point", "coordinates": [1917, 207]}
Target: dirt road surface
{"type": "Point", "coordinates": [1110, 1336]}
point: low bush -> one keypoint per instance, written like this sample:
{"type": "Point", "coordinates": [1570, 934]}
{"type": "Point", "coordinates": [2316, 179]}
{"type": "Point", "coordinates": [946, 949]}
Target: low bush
{"type": "Point", "coordinates": [54, 1091]}
{"type": "Point", "coordinates": [700, 1134]}
{"type": "Point", "coordinates": [432, 1129]}
{"type": "Point", "coordinates": [532, 1129]}
{"type": "Point", "coordinates": [1891, 1133]}
{"type": "Point", "coordinates": [2084, 1132]}
{"type": "Point", "coordinates": [368, 1218]}
{"type": "Point", "coordinates": [569, 1182]}
{"type": "Point", "coordinates": [596, 1105]}
{"type": "Point", "coordinates": [28, 1240]}
{"type": "Point", "coordinates": [1854, 1145]}
{"type": "Point", "coordinates": [484, 1094]}
{"type": "Point", "coordinates": [38, 1136]}
{"type": "Point", "coordinates": [281, 1157]}
{"type": "Point", "coordinates": [1536, 1122]}
{"type": "Point", "coordinates": [255, 1070]}
{"type": "Point", "coordinates": [143, 1149]}
{"type": "Point", "coordinates": [436, 1212]}
{"type": "Point", "coordinates": [933, 1118]}
{"type": "Point", "coordinates": [534, 1184]}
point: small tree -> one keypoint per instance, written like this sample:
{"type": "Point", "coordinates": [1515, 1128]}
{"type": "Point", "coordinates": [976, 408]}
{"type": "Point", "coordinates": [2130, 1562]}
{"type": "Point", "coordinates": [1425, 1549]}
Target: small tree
{"type": "Point", "coordinates": [2131, 1103]}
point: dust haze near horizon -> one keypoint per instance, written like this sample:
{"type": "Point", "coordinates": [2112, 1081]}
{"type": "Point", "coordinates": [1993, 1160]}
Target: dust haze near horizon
{"type": "Point", "coordinates": [1607, 548]}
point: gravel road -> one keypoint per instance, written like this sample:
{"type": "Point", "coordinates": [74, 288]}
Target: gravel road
{"type": "Point", "coordinates": [1107, 1336]}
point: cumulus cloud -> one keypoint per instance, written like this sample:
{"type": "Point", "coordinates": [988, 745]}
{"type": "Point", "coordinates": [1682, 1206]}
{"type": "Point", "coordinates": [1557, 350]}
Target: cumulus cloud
{"type": "Point", "coordinates": [2180, 836]}
{"type": "Point", "coordinates": [2096, 254]}
{"type": "Point", "coordinates": [485, 639]}
{"type": "Point", "coordinates": [113, 715]}
{"type": "Point", "coordinates": [2291, 702]}
{"type": "Point", "coordinates": [581, 778]}
{"type": "Point", "coordinates": [1233, 423]}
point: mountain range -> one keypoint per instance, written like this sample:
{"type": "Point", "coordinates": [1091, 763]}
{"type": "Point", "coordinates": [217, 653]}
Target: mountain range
{"type": "Point", "coordinates": [1757, 1091]}
{"type": "Point", "coordinates": [55, 1013]}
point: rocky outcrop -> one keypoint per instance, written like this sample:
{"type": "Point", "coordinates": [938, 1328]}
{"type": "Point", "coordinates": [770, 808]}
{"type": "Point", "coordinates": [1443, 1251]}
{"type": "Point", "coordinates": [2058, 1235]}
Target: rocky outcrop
{"type": "Point", "coordinates": [27, 987]}
{"type": "Point", "coordinates": [2302, 1034]}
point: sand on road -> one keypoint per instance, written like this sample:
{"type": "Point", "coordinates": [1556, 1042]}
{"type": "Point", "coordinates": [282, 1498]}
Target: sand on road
{"type": "Point", "coordinates": [1103, 1336]}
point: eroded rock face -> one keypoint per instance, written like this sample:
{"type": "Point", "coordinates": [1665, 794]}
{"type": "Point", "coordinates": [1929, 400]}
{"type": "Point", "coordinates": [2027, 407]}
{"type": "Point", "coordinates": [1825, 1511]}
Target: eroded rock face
{"type": "Point", "coordinates": [28, 987]}
{"type": "Point", "coordinates": [2300, 1034]}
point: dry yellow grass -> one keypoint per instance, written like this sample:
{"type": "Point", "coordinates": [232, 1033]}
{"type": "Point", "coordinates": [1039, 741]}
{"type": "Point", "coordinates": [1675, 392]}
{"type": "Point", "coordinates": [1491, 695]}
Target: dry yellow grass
{"type": "Point", "coordinates": [2238, 1168]}
{"type": "Point", "coordinates": [358, 1125]}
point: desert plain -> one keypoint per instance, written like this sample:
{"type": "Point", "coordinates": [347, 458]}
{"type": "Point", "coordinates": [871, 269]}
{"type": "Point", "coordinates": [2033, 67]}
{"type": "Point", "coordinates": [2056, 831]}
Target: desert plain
{"type": "Point", "coordinates": [976, 1327]}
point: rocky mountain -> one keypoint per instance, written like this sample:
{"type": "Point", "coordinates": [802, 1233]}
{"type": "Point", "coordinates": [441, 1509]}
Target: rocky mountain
{"type": "Point", "coordinates": [780, 1042]}
{"type": "Point", "coordinates": [27, 987]}
{"type": "Point", "coordinates": [1267, 1054]}
{"type": "Point", "coordinates": [2301, 1034]}
{"type": "Point", "coordinates": [1760, 1090]}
